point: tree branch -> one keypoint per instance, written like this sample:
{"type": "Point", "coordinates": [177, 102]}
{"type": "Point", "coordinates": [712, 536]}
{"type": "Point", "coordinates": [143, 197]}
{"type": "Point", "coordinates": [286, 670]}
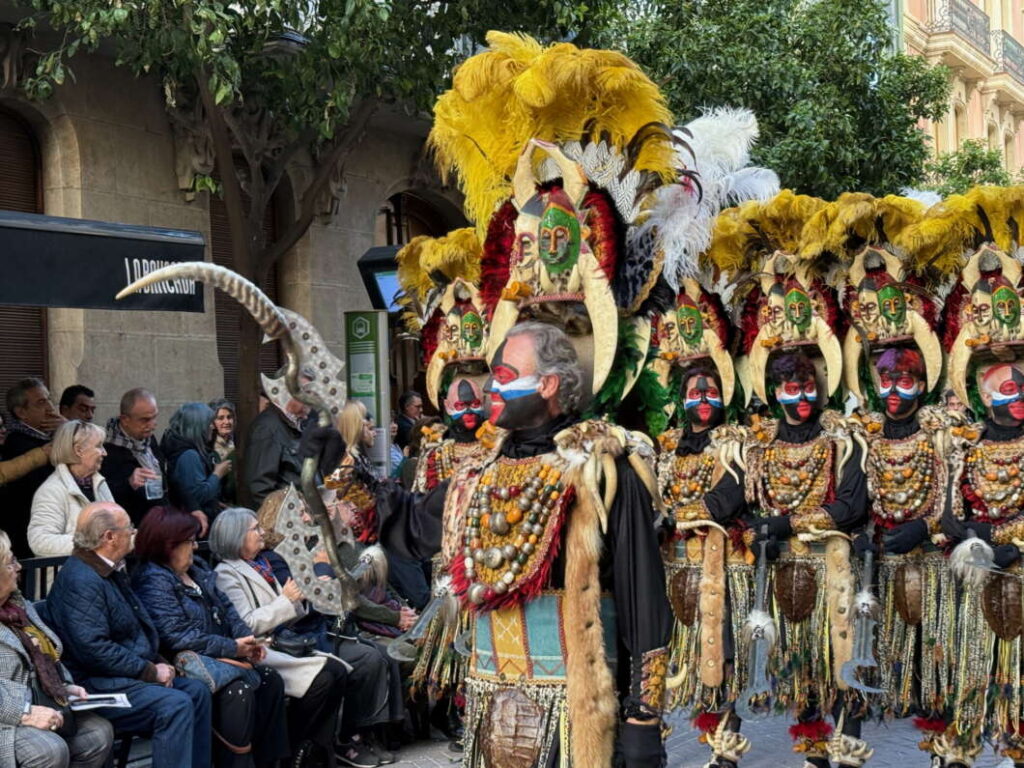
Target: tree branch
{"type": "Point", "coordinates": [343, 146]}
{"type": "Point", "coordinates": [224, 157]}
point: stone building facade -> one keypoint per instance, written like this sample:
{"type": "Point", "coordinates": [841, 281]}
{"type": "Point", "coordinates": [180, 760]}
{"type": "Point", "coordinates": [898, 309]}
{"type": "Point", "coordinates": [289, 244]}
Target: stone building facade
{"type": "Point", "coordinates": [106, 149]}
{"type": "Point", "coordinates": [982, 42]}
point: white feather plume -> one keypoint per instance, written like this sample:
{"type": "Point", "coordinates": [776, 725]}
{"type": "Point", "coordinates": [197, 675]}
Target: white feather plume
{"type": "Point", "coordinates": [759, 624]}
{"type": "Point", "coordinates": [926, 196]}
{"type": "Point", "coordinates": [683, 217]}
{"type": "Point", "coordinates": [972, 561]}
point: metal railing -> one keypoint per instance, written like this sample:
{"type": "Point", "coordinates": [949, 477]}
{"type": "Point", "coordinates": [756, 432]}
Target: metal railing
{"type": "Point", "coordinates": [963, 18]}
{"type": "Point", "coordinates": [1009, 54]}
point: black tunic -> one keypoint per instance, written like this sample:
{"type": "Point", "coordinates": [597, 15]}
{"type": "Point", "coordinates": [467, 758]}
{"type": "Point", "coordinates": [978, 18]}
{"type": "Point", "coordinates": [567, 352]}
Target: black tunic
{"type": "Point", "coordinates": [725, 502]}
{"type": "Point", "coordinates": [630, 565]}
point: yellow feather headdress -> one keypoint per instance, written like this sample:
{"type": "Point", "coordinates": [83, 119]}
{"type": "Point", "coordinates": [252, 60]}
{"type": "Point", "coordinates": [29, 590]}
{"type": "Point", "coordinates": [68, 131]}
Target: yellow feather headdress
{"type": "Point", "coordinates": [943, 239]}
{"type": "Point", "coordinates": [427, 265]}
{"type": "Point", "coordinates": [856, 219]}
{"type": "Point", "coordinates": [744, 236]}
{"type": "Point", "coordinates": [519, 90]}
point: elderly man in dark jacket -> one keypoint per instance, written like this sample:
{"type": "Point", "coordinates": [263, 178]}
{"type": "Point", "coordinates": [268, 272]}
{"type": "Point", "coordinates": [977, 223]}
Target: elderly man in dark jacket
{"type": "Point", "coordinates": [111, 644]}
{"type": "Point", "coordinates": [272, 458]}
{"type": "Point", "coordinates": [134, 465]}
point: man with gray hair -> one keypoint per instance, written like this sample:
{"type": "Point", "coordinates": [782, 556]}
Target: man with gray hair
{"type": "Point", "coordinates": [111, 644]}
{"type": "Point", "coordinates": [134, 465]}
{"type": "Point", "coordinates": [34, 419]}
{"type": "Point", "coordinates": [555, 478]}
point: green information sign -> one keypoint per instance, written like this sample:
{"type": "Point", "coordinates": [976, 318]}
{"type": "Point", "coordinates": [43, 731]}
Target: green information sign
{"type": "Point", "coordinates": [366, 360]}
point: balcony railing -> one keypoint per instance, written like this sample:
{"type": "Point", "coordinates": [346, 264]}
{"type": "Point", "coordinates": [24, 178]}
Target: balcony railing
{"type": "Point", "coordinates": [963, 18]}
{"type": "Point", "coordinates": [1009, 54]}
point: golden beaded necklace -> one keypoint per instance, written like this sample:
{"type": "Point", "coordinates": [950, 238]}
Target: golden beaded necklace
{"type": "Point", "coordinates": [994, 473]}
{"type": "Point", "coordinates": [901, 475]}
{"type": "Point", "coordinates": [796, 475]}
{"type": "Point", "coordinates": [685, 483]}
{"type": "Point", "coordinates": [511, 522]}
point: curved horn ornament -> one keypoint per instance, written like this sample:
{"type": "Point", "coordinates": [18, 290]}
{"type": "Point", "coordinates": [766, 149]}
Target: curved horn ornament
{"type": "Point", "coordinates": [299, 341]}
{"type": "Point", "coordinates": [267, 314]}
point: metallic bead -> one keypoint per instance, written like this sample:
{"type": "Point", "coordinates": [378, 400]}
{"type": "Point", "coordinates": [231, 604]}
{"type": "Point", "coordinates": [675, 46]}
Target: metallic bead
{"type": "Point", "coordinates": [509, 551]}
{"type": "Point", "coordinates": [501, 587]}
{"type": "Point", "coordinates": [515, 567]}
{"type": "Point", "coordinates": [493, 558]}
{"type": "Point", "coordinates": [477, 593]}
{"type": "Point", "coordinates": [508, 577]}
{"type": "Point", "coordinates": [528, 548]}
{"type": "Point", "coordinates": [479, 555]}
{"type": "Point", "coordinates": [499, 523]}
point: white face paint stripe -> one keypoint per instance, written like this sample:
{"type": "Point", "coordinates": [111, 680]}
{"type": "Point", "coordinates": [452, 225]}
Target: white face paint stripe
{"type": "Point", "coordinates": [521, 387]}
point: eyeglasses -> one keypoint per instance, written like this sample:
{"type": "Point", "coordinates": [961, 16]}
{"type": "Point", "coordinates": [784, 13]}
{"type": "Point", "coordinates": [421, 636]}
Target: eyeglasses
{"type": "Point", "coordinates": [129, 528]}
{"type": "Point", "coordinates": [13, 565]}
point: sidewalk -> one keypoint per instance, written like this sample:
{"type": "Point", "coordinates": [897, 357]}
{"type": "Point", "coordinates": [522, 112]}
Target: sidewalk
{"type": "Point", "coordinates": [895, 744]}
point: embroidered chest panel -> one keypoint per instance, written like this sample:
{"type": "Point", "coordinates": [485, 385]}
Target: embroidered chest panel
{"type": "Point", "coordinates": [903, 478]}
{"type": "Point", "coordinates": [512, 527]}
{"type": "Point", "coordinates": [795, 477]}
{"type": "Point", "coordinates": [993, 475]}
{"type": "Point", "coordinates": [684, 481]}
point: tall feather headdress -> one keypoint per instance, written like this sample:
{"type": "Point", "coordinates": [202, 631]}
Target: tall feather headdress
{"type": "Point", "coordinates": [519, 90]}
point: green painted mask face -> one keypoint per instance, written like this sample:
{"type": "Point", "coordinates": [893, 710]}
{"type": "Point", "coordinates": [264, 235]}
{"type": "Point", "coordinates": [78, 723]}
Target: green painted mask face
{"type": "Point", "coordinates": [559, 238]}
{"type": "Point", "coordinates": [691, 325]}
{"type": "Point", "coordinates": [798, 308]}
{"type": "Point", "coordinates": [1006, 306]}
{"type": "Point", "coordinates": [892, 304]}
{"type": "Point", "coordinates": [472, 329]}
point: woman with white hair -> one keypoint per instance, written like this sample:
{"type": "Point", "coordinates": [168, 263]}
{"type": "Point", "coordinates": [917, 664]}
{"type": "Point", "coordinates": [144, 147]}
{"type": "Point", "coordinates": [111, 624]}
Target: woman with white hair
{"type": "Point", "coordinates": [75, 483]}
{"type": "Point", "coordinates": [320, 683]}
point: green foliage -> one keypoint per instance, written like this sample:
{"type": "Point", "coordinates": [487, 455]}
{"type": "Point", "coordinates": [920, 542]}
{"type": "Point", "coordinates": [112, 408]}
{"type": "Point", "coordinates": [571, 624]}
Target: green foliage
{"type": "Point", "coordinates": [838, 109]}
{"type": "Point", "coordinates": [953, 173]}
{"type": "Point", "coordinates": [401, 50]}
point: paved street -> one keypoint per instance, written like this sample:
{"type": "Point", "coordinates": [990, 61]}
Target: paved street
{"type": "Point", "coordinates": [895, 745]}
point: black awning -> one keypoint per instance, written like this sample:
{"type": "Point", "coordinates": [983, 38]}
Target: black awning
{"type": "Point", "coordinates": [47, 261]}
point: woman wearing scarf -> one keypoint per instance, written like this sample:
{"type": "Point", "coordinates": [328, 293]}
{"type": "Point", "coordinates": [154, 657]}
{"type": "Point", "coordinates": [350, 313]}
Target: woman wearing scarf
{"type": "Point", "coordinates": [194, 475]}
{"type": "Point", "coordinates": [35, 735]}
{"type": "Point", "coordinates": [224, 420]}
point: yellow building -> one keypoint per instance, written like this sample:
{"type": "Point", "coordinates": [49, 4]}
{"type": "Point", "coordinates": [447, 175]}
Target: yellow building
{"type": "Point", "coordinates": [982, 43]}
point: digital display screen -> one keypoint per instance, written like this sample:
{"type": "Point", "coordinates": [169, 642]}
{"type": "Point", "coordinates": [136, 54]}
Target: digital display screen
{"type": "Point", "coordinates": [387, 283]}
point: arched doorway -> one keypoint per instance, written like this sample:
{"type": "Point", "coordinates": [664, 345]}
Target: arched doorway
{"type": "Point", "coordinates": [23, 329]}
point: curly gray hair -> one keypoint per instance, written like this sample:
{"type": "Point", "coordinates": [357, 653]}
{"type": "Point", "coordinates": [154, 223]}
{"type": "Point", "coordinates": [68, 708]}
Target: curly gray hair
{"type": "Point", "coordinates": [556, 356]}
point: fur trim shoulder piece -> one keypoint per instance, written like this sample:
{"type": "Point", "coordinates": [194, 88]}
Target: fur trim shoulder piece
{"type": "Point", "coordinates": [592, 446]}
{"type": "Point", "coordinates": [669, 440]}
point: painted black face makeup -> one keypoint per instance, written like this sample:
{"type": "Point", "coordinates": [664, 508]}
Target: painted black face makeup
{"type": "Point", "coordinates": [1005, 387]}
{"type": "Point", "coordinates": [515, 402]}
{"type": "Point", "coordinates": [703, 402]}
{"type": "Point", "coordinates": [799, 399]}
{"type": "Point", "coordinates": [901, 392]}
{"type": "Point", "coordinates": [465, 408]}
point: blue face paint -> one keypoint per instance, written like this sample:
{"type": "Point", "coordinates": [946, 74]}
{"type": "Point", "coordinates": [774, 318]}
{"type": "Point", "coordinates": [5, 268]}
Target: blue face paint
{"type": "Point", "coordinates": [810, 397]}
{"type": "Point", "coordinates": [464, 411]}
{"type": "Point", "coordinates": [513, 390]}
{"type": "Point", "coordinates": [714, 402]}
{"type": "Point", "coordinates": [998, 399]}
{"type": "Point", "coordinates": [905, 393]}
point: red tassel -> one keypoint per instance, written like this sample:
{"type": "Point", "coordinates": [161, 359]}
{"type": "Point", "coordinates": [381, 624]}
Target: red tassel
{"type": "Point", "coordinates": [604, 234]}
{"type": "Point", "coordinates": [812, 730]}
{"type": "Point", "coordinates": [495, 262]}
{"type": "Point", "coordinates": [750, 319]}
{"type": "Point", "coordinates": [951, 315]}
{"type": "Point", "coordinates": [930, 724]}
{"type": "Point", "coordinates": [428, 336]}
{"type": "Point", "coordinates": [707, 722]}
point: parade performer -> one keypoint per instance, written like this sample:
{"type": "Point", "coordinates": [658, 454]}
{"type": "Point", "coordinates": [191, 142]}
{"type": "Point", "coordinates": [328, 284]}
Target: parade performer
{"type": "Point", "coordinates": [804, 477]}
{"type": "Point", "coordinates": [892, 364]}
{"type": "Point", "coordinates": [985, 341]}
{"type": "Point", "coordinates": [442, 305]}
{"type": "Point", "coordinates": [699, 472]}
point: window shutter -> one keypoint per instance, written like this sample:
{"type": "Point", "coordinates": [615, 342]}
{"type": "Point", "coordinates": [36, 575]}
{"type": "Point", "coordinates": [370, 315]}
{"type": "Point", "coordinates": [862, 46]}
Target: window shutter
{"type": "Point", "coordinates": [23, 329]}
{"type": "Point", "coordinates": [229, 313]}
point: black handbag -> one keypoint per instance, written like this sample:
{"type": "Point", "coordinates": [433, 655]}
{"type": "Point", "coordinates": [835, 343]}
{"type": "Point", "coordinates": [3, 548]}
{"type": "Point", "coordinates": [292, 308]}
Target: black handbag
{"type": "Point", "coordinates": [293, 643]}
{"type": "Point", "coordinates": [41, 699]}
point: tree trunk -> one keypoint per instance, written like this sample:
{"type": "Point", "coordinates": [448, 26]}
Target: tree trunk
{"type": "Point", "coordinates": [249, 338]}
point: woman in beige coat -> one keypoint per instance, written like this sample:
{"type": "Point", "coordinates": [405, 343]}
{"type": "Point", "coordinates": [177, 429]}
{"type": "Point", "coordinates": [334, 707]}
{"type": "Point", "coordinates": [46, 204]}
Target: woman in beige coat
{"type": "Point", "coordinates": [76, 482]}
{"type": "Point", "coordinates": [315, 682]}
